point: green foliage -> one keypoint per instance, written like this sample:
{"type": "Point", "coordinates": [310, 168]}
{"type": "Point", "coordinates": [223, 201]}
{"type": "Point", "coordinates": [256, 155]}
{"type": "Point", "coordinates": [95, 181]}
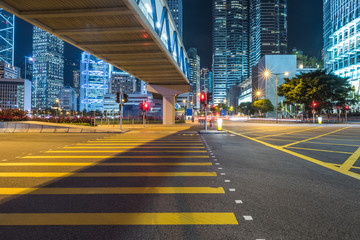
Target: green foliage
{"type": "Point", "coordinates": [246, 108]}
{"type": "Point", "coordinates": [264, 106]}
{"type": "Point", "coordinates": [308, 61]}
{"type": "Point", "coordinates": [326, 89]}
{"type": "Point", "coordinates": [220, 107]}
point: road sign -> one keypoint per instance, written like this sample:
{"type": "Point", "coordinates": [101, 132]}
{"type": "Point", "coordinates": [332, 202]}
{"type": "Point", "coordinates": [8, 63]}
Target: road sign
{"type": "Point", "coordinates": [189, 112]}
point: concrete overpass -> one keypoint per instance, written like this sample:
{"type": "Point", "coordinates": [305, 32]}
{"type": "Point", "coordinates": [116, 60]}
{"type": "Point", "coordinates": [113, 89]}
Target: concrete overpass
{"type": "Point", "coordinates": [137, 36]}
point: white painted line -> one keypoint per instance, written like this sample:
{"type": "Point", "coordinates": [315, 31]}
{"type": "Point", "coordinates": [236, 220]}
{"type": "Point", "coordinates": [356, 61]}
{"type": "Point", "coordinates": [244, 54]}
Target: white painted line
{"type": "Point", "coordinates": [238, 201]}
{"type": "Point", "coordinates": [215, 160]}
{"type": "Point", "coordinates": [248, 218]}
{"type": "Point", "coordinates": [213, 156]}
{"type": "Point", "coordinates": [220, 168]}
{"type": "Point", "coordinates": [222, 174]}
{"type": "Point", "coordinates": [217, 163]}
{"type": "Point", "coordinates": [227, 180]}
{"type": "Point", "coordinates": [232, 189]}
{"type": "Point", "coordinates": [260, 239]}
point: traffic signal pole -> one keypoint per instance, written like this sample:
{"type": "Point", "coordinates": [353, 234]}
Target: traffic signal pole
{"type": "Point", "coordinates": [121, 106]}
{"type": "Point", "coordinates": [205, 118]}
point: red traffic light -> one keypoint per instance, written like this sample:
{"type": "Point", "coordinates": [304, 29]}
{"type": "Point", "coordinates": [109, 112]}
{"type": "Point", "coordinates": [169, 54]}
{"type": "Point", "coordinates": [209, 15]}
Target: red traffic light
{"type": "Point", "coordinates": [146, 106]}
{"type": "Point", "coordinates": [346, 107]}
{"type": "Point", "coordinates": [202, 98]}
{"type": "Point", "coordinates": [314, 104]}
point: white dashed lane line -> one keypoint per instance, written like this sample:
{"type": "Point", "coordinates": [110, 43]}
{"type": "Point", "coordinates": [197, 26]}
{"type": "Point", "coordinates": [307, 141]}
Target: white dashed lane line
{"type": "Point", "coordinates": [232, 189]}
{"type": "Point", "coordinates": [227, 180]}
{"type": "Point", "coordinates": [238, 201]}
{"type": "Point", "coordinates": [248, 218]}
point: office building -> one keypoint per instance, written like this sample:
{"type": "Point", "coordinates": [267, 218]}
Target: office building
{"type": "Point", "coordinates": [124, 80]}
{"type": "Point", "coordinates": [176, 8]}
{"type": "Point", "coordinates": [194, 62]}
{"type": "Point", "coordinates": [9, 72]}
{"type": "Point", "coordinates": [15, 93]}
{"type": "Point", "coordinates": [268, 28]}
{"type": "Point", "coordinates": [266, 85]}
{"type": "Point", "coordinates": [243, 32]}
{"type": "Point", "coordinates": [68, 99]}
{"type": "Point", "coordinates": [7, 36]}
{"type": "Point", "coordinates": [342, 39]}
{"type": "Point", "coordinates": [94, 82]}
{"type": "Point", "coordinates": [48, 69]}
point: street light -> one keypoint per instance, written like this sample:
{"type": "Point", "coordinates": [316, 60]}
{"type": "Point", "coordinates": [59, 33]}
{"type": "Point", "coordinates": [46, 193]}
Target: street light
{"type": "Point", "coordinates": [268, 74]}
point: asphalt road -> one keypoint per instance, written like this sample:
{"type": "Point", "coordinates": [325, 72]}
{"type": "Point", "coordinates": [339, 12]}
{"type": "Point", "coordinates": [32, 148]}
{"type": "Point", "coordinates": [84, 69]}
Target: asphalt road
{"type": "Point", "coordinates": [256, 182]}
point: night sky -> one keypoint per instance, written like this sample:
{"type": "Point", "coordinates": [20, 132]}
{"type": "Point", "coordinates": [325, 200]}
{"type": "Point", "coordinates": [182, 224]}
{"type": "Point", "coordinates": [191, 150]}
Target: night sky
{"type": "Point", "coordinates": [304, 31]}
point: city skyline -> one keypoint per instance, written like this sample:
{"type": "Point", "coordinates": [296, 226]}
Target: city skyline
{"type": "Point", "coordinates": [304, 34]}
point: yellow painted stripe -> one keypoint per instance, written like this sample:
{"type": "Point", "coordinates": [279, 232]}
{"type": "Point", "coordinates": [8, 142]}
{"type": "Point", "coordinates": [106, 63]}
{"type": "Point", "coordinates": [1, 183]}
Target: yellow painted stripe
{"type": "Point", "coordinates": [338, 165]}
{"type": "Point", "coordinates": [312, 138]}
{"type": "Point", "coordinates": [103, 164]}
{"type": "Point", "coordinates": [319, 150]}
{"type": "Point", "coordinates": [310, 159]}
{"type": "Point", "coordinates": [154, 141]}
{"type": "Point", "coordinates": [121, 190]}
{"type": "Point", "coordinates": [28, 219]}
{"type": "Point", "coordinates": [140, 147]}
{"type": "Point", "coordinates": [336, 144]}
{"type": "Point", "coordinates": [204, 156]}
{"type": "Point", "coordinates": [135, 145]}
{"type": "Point", "coordinates": [347, 165]}
{"type": "Point", "coordinates": [113, 174]}
{"type": "Point", "coordinates": [129, 151]}
{"type": "Point", "coordinates": [286, 133]}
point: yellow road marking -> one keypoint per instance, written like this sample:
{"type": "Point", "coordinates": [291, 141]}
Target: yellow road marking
{"type": "Point", "coordinates": [121, 190]}
{"type": "Point", "coordinates": [28, 219]}
{"type": "Point", "coordinates": [319, 150]}
{"type": "Point", "coordinates": [104, 164]}
{"type": "Point", "coordinates": [349, 169]}
{"type": "Point", "coordinates": [287, 133]}
{"type": "Point", "coordinates": [113, 174]}
{"type": "Point", "coordinates": [339, 139]}
{"type": "Point", "coordinates": [313, 160]}
{"type": "Point", "coordinates": [347, 165]}
{"type": "Point", "coordinates": [319, 136]}
{"type": "Point", "coordinates": [336, 144]}
{"type": "Point", "coordinates": [135, 145]}
{"type": "Point", "coordinates": [140, 142]}
{"type": "Point", "coordinates": [204, 156]}
{"type": "Point", "coordinates": [129, 151]}
{"type": "Point", "coordinates": [139, 147]}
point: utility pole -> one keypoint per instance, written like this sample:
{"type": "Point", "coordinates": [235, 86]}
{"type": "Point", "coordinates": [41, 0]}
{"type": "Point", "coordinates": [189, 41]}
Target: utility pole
{"type": "Point", "coordinates": [121, 106]}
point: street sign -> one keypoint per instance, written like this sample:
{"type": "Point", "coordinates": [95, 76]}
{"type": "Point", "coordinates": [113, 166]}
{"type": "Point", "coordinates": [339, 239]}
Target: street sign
{"type": "Point", "coordinates": [189, 112]}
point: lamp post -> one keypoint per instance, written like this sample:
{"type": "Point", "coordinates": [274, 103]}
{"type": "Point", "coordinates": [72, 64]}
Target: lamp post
{"type": "Point", "coordinates": [267, 74]}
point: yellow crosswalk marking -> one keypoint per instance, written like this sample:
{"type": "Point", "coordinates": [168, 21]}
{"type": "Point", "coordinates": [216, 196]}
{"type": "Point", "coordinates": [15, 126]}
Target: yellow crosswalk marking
{"type": "Point", "coordinates": [110, 174]}
{"type": "Point", "coordinates": [319, 150]}
{"type": "Point", "coordinates": [121, 190]}
{"type": "Point", "coordinates": [204, 156]}
{"type": "Point", "coordinates": [27, 219]}
{"type": "Point", "coordinates": [129, 151]}
{"type": "Point", "coordinates": [104, 164]}
{"type": "Point", "coordinates": [346, 166]}
{"type": "Point", "coordinates": [143, 144]}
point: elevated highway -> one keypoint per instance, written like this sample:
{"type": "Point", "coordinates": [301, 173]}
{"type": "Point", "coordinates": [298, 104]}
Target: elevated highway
{"type": "Point", "coordinates": [137, 36]}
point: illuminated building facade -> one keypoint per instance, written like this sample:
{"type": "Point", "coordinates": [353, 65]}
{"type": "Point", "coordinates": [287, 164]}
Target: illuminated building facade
{"type": "Point", "coordinates": [48, 69]}
{"type": "Point", "coordinates": [94, 82]}
{"type": "Point", "coordinates": [7, 36]}
{"type": "Point", "coordinates": [342, 39]}
{"type": "Point", "coordinates": [176, 8]}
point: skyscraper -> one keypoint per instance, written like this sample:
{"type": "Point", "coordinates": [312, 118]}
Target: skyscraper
{"type": "Point", "coordinates": [7, 36]}
{"type": "Point", "coordinates": [194, 62]}
{"type": "Point", "coordinates": [48, 69]}
{"type": "Point", "coordinates": [342, 39]}
{"type": "Point", "coordinates": [176, 8]}
{"type": "Point", "coordinates": [268, 28]}
{"type": "Point", "coordinates": [94, 82]}
{"type": "Point", "coordinates": [244, 31]}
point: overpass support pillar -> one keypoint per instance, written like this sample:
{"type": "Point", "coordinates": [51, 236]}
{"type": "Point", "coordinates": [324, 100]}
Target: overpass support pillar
{"type": "Point", "coordinates": [169, 93]}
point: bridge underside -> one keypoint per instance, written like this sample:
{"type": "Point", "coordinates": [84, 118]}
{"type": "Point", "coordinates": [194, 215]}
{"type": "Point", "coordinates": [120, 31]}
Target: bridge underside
{"type": "Point", "coordinates": [115, 31]}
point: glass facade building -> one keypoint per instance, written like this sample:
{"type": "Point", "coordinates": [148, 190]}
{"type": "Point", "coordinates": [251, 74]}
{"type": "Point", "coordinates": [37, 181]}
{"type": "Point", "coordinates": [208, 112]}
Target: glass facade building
{"type": "Point", "coordinates": [94, 82]}
{"type": "Point", "coordinates": [342, 38]}
{"type": "Point", "coordinates": [243, 32]}
{"type": "Point", "coordinates": [48, 69]}
{"type": "Point", "coordinates": [176, 8]}
{"type": "Point", "coordinates": [7, 36]}
{"type": "Point", "coordinates": [194, 62]}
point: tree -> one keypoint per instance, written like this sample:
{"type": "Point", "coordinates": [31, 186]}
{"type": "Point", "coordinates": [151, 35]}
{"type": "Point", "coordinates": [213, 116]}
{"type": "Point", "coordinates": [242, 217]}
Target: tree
{"type": "Point", "coordinates": [246, 108]}
{"type": "Point", "coordinates": [264, 106]}
{"type": "Point", "coordinates": [325, 89]}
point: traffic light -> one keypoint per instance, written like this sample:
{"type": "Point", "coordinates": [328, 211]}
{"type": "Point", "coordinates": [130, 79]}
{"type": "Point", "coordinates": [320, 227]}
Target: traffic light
{"type": "Point", "coordinates": [145, 106]}
{"type": "Point", "coordinates": [208, 97]}
{"type": "Point", "coordinates": [118, 97]}
{"type": "Point", "coordinates": [125, 98]}
{"type": "Point", "coordinates": [346, 107]}
{"type": "Point", "coordinates": [314, 105]}
{"type": "Point", "coordinates": [202, 98]}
